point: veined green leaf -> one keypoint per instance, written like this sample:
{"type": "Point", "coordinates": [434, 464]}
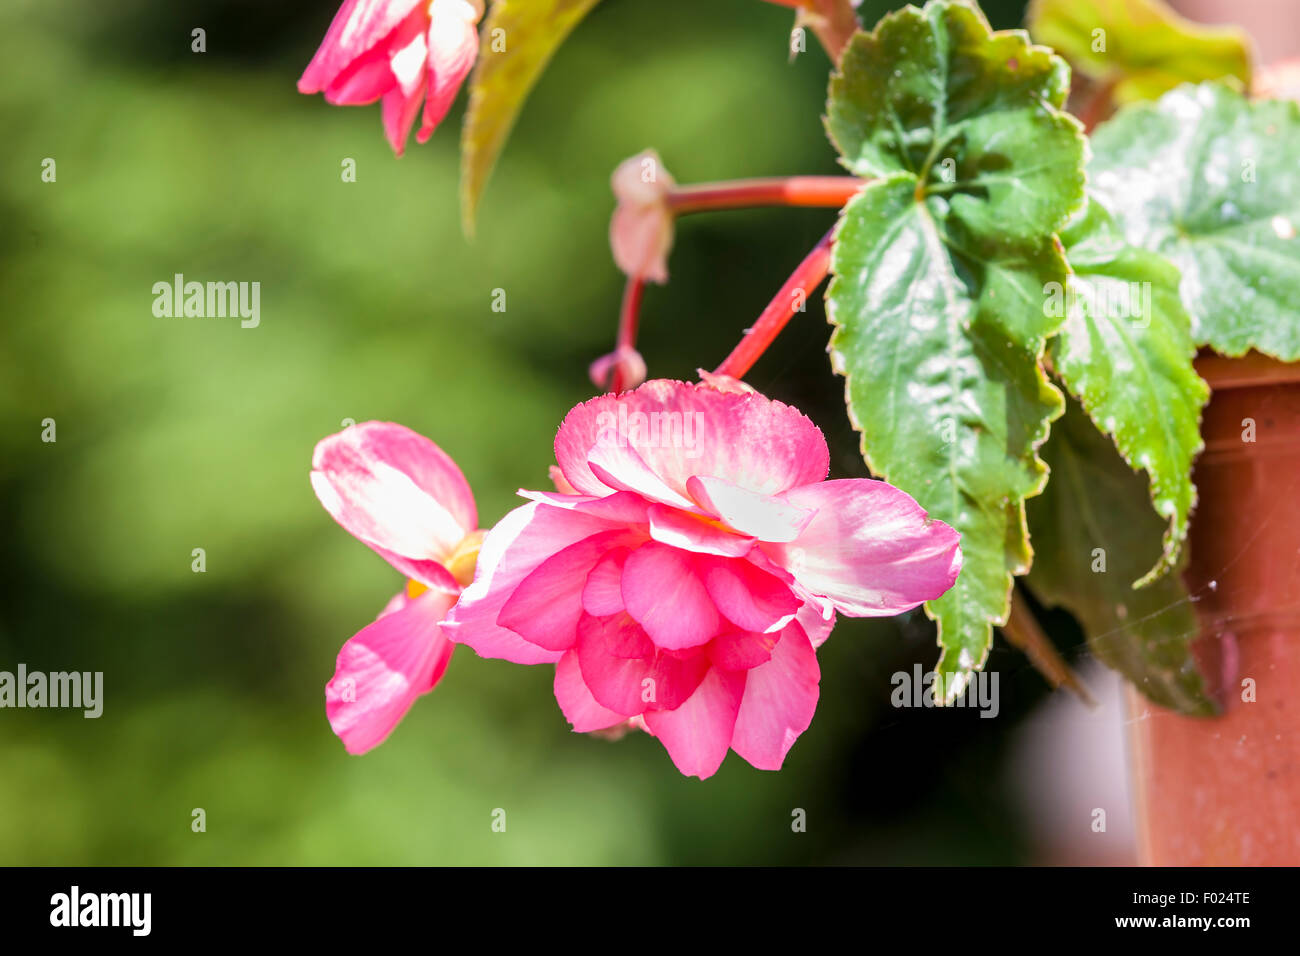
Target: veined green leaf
{"type": "Point", "coordinates": [1126, 353]}
{"type": "Point", "coordinates": [940, 269]}
{"type": "Point", "coordinates": [1212, 181]}
{"type": "Point", "coordinates": [1141, 47]}
{"type": "Point", "coordinates": [1096, 532]}
{"type": "Point", "coordinates": [519, 38]}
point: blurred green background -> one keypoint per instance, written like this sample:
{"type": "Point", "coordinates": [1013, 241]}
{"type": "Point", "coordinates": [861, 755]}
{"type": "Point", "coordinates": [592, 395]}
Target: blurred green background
{"type": "Point", "coordinates": [175, 434]}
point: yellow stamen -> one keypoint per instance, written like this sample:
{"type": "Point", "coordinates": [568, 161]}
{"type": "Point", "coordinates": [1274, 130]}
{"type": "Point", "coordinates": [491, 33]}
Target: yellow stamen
{"type": "Point", "coordinates": [464, 560]}
{"type": "Point", "coordinates": [461, 564]}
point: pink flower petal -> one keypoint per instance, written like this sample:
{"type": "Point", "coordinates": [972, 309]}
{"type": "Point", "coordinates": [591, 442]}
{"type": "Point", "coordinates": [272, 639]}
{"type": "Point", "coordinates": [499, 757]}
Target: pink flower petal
{"type": "Point", "coordinates": [397, 492]}
{"type": "Point", "coordinates": [545, 606]}
{"type": "Point", "coordinates": [748, 596]}
{"type": "Point", "coordinates": [371, 75]}
{"type": "Point", "coordinates": [640, 238]}
{"type": "Point", "coordinates": [383, 669]}
{"type": "Point", "coordinates": [690, 532]}
{"type": "Point", "coordinates": [602, 593]}
{"type": "Point", "coordinates": [641, 180]}
{"type": "Point", "coordinates": [632, 685]}
{"type": "Point", "coordinates": [779, 702]}
{"type": "Point", "coordinates": [816, 616]}
{"type": "Point", "coordinates": [622, 508]}
{"type": "Point", "coordinates": [580, 709]}
{"type": "Point", "coordinates": [641, 229]}
{"type": "Point", "coordinates": [698, 733]}
{"type": "Point", "coordinates": [400, 110]}
{"type": "Point", "coordinates": [453, 46]}
{"type": "Point", "coordinates": [870, 549]}
{"type": "Point", "coordinates": [615, 635]}
{"type": "Point", "coordinates": [409, 64]}
{"type": "Point", "coordinates": [561, 483]}
{"type": "Point", "coordinates": [521, 541]}
{"type": "Point", "coordinates": [620, 468]}
{"type": "Point", "coordinates": [680, 430]}
{"type": "Point", "coordinates": [359, 27]}
{"type": "Point", "coordinates": [662, 591]}
{"type": "Point", "coordinates": [742, 650]}
{"type": "Point", "coordinates": [362, 83]}
{"type": "Point", "coordinates": [760, 516]}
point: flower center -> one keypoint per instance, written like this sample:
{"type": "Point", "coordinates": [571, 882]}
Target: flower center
{"type": "Point", "coordinates": [464, 559]}
{"type": "Point", "coordinates": [462, 564]}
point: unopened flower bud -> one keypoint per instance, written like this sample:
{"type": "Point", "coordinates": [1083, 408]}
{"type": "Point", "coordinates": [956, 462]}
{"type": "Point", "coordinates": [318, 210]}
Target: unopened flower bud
{"type": "Point", "coordinates": [618, 371]}
{"type": "Point", "coordinates": [641, 229]}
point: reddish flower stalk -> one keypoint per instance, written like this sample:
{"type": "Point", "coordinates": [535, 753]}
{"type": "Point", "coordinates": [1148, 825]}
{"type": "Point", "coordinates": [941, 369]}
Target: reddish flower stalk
{"type": "Point", "coordinates": [629, 316]}
{"type": "Point", "coordinates": [779, 311]}
{"type": "Point", "coordinates": [834, 21]}
{"type": "Point", "coordinates": [623, 368]}
{"type": "Point", "coordinates": [830, 192]}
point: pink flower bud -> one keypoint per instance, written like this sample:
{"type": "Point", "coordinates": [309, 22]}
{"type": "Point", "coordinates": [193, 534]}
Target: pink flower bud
{"type": "Point", "coordinates": [618, 371]}
{"type": "Point", "coordinates": [641, 229]}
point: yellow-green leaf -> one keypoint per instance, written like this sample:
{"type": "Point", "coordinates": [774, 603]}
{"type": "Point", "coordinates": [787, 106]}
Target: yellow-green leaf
{"type": "Point", "coordinates": [518, 40]}
{"type": "Point", "coordinates": [1141, 48]}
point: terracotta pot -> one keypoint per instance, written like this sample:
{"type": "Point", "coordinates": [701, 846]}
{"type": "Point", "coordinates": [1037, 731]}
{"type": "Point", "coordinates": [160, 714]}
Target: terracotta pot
{"type": "Point", "coordinates": [1226, 790]}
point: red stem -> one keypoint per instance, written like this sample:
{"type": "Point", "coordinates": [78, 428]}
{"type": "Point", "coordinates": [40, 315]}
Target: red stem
{"type": "Point", "coordinates": [779, 311]}
{"type": "Point", "coordinates": [824, 191]}
{"type": "Point", "coordinates": [834, 21]}
{"type": "Point", "coordinates": [629, 319]}
{"type": "Point", "coordinates": [820, 191]}
{"type": "Point", "coordinates": [629, 315]}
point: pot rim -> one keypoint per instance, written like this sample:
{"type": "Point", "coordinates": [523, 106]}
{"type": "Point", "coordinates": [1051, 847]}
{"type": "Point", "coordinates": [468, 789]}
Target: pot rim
{"type": "Point", "coordinates": [1249, 370]}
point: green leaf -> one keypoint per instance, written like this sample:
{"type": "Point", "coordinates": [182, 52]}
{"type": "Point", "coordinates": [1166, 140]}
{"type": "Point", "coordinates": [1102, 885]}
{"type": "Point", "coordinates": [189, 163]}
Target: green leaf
{"type": "Point", "coordinates": [1141, 48]}
{"type": "Point", "coordinates": [531, 31]}
{"type": "Point", "coordinates": [940, 267]}
{"type": "Point", "coordinates": [969, 114]}
{"type": "Point", "coordinates": [1126, 352]}
{"type": "Point", "coordinates": [1211, 181]}
{"type": "Point", "coordinates": [1094, 510]}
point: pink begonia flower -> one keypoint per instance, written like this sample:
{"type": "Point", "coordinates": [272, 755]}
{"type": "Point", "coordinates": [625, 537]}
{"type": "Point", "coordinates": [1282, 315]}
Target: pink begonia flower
{"type": "Point", "coordinates": [696, 562]}
{"type": "Point", "coordinates": [641, 229]}
{"type": "Point", "coordinates": [401, 495]}
{"type": "Point", "coordinates": [403, 52]}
